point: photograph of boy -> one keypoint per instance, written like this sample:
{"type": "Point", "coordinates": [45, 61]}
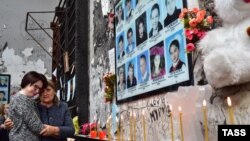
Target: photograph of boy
{"type": "Point", "coordinates": [172, 12]}
{"type": "Point", "coordinates": [143, 70]}
{"type": "Point", "coordinates": [131, 44]}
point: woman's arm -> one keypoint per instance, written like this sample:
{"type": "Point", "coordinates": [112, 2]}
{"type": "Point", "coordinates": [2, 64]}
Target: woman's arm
{"type": "Point", "coordinates": [67, 130]}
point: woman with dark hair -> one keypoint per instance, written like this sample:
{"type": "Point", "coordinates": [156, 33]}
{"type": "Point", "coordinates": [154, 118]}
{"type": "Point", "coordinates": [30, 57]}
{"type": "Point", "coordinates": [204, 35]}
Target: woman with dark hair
{"type": "Point", "coordinates": [121, 82]}
{"type": "Point", "coordinates": [174, 51]}
{"type": "Point", "coordinates": [23, 111]}
{"type": "Point", "coordinates": [55, 113]}
{"type": "Point", "coordinates": [131, 80]}
{"type": "Point", "coordinates": [157, 62]}
{"type": "Point", "coordinates": [119, 16]}
{"type": "Point", "coordinates": [141, 34]}
{"type": "Point", "coordinates": [121, 52]}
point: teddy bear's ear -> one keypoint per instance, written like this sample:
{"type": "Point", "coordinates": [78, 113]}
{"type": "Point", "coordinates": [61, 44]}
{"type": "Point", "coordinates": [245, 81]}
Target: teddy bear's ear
{"type": "Point", "coordinates": [248, 31]}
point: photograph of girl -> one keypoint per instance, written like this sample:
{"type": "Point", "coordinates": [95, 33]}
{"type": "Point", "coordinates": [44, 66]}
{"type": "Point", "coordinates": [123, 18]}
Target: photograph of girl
{"type": "Point", "coordinates": [141, 29]}
{"type": "Point", "coordinates": [175, 49]}
{"type": "Point", "coordinates": [157, 61]}
{"type": "Point", "coordinates": [131, 79]}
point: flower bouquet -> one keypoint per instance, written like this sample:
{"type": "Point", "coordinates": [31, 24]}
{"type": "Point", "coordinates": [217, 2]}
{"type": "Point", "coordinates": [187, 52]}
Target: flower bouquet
{"type": "Point", "coordinates": [109, 80]}
{"type": "Point", "coordinates": [196, 23]}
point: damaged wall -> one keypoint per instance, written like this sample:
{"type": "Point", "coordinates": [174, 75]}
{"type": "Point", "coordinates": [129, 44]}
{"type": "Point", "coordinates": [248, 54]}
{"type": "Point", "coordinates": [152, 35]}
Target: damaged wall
{"type": "Point", "coordinates": [19, 53]}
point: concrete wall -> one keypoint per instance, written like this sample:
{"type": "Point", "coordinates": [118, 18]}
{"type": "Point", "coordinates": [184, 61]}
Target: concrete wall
{"type": "Point", "coordinates": [23, 54]}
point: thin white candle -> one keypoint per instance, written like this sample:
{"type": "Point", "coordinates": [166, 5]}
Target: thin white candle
{"type": "Point", "coordinates": [205, 120]}
{"type": "Point", "coordinates": [144, 126]}
{"type": "Point", "coordinates": [181, 126]}
{"type": "Point", "coordinates": [230, 109]}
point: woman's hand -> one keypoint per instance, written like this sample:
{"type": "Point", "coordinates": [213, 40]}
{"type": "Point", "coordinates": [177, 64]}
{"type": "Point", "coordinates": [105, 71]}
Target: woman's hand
{"type": "Point", "coordinates": [8, 124]}
{"type": "Point", "coordinates": [50, 131]}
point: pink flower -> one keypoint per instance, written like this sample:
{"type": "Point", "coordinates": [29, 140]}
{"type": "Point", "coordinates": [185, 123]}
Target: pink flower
{"type": "Point", "coordinates": [194, 31]}
{"type": "Point", "coordinates": [190, 37]}
{"type": "Point", "coordinates": [187, 32]}
{"type": "Point", "coordinates": [182, 15]}
{"type": "Point", "coordinates": [184, 10]}
{"type": "Point", "coordinates": [210, 19]}
{"type": "Point", "coordinates": [190, 47]}
{"type": "Point", "coordinates": [195, 10]}
{"type": "Point", "coordinates": [201, 34]}
{"type": "Point", "coordinates": [192, 23]}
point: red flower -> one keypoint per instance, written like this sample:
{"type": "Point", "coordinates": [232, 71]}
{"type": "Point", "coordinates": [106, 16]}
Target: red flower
{"type": "Point", "coordinates": [190, 47]}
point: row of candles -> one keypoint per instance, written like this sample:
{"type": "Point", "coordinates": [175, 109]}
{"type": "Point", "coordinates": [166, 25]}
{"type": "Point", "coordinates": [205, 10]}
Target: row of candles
{"type": "Point", "coordinates": [132, 128]}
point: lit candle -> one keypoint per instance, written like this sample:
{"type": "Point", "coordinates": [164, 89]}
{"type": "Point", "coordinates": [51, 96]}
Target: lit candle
{"type": "Point", "coordinates": [108, 128]}
{"type": "Point", "coordinates": [118, 132]}
{"type": "Point", "coordinates": [134, 127]}
{"type": "Point", "coordinates": [130, 126]}
{"type": "Point", "coordinates": [171, 122]}
{"type": "Point", "coordinates": [181, 127]}
{"type": "Point", "coordinates": [144, 126]}
{"type": "Point", "coordinates": [230, 109]}
{"type": "Point", "coordinates": [96, 124]}
{"type": "Point", "coordinates": [122, 128]}
{"type": "Point", "coordinates": [205, 120]}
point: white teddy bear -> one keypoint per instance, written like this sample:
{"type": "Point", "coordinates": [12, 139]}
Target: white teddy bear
{"type": "Point", "coordinates": [226, 50]}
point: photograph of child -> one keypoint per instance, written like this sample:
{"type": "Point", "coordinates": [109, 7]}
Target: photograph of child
{"type": "Point", "coordinates": [141, 29]}
{"type": "Point", "coordinates": [120, 46]}
{"type": "Point", "coordinates": [157, 61]}
{"type": "Point", "coordinates": [154, 18]}
{"type": "Point", "coordinates": [172, 11]}
{"type": "Point", "coordinates": [143, 67]}
{"type": "Point", "coordinates": [131, 78]}
{"type": "Point", "coordinates": [175, 49]}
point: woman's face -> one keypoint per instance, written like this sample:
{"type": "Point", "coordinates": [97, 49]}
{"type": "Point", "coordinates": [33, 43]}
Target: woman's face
{"type": "Point", "coordinates": [121, 46]}
{"type": "Point", "coordinates": [33, 89]}
{"type": "Point", "coordinates": [155, 18]}
{"type": "Point", "coordinates": [131, 72]}
{"type": "Point", "coordinates": [48, 95]}
{"type": "Point", "coordinates": [157, 61]}
{"type": "Point", "coordinates": [6, 108]}
{"type": "Point", "coordinates": [170, 4]}
{"type": "Point", "coordinates": [119, 13]}
{"type": "Point", "coordinates": [121, 77]}
{"type": "Point", "coordinates": [141, 30]}
{"type": "Point", "coordinates": [174, 52]}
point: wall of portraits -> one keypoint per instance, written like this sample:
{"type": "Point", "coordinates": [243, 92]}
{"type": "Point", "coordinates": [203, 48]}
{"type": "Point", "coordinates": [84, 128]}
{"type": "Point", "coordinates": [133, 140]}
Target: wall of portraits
{"type": "Point", "coordinates": [150, 46]}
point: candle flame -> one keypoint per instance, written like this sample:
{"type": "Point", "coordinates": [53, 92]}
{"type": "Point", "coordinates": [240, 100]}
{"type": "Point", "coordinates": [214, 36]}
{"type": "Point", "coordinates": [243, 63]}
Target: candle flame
{"type": "Point", "coordinates": [135, 115]}
{"type": "Point", "coordinates": [116, 119]}
{"type": "Point", "coordinates": [204, 103]}
{"type": "Point", "coordinates": [179, 108]}
{"type": "Point", "coordinates": [229, 101]}
{"type": "Point", "coordinates": [170, 107]}
{"type": "Point", "coordinates": [121, 117]}
{"type": "Point", "coordinates": [143, 112]}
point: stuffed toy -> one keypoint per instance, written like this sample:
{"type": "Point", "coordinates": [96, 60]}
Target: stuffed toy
{"type": "Point", "coordinates": [226, 50]}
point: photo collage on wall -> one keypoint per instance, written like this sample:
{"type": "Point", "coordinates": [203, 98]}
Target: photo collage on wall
{"type": "Point", "coordinates": [150, 46]}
